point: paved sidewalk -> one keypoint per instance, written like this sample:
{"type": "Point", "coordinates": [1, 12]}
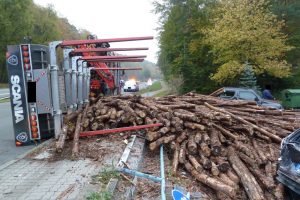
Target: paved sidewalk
{"type": "Point", "coordinates": [34, 179]}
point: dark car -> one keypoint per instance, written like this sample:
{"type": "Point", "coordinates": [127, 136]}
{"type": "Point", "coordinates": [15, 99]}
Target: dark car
{"type": "Point", "coordinates": [289, 164]}
{"type": "Point", "coordinates": [247, 94]}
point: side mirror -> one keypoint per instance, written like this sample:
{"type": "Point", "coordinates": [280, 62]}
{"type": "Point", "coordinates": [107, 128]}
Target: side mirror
{"type": "Point", "coordinates": [256, 99]}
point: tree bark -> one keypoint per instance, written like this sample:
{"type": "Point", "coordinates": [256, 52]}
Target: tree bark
{"type": "Point", "coordinates": [175, 159]}
{"type": "Point", "coordinates": [252, 188]}
{"type": "Point", "coordinates": [75, 148]}
{"type": "Point", "coordinates": [211, 182]}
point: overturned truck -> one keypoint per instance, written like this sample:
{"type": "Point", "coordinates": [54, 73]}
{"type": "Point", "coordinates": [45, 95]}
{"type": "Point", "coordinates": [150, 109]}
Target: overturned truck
{"type": "Point", "coordinates": [42, 90]}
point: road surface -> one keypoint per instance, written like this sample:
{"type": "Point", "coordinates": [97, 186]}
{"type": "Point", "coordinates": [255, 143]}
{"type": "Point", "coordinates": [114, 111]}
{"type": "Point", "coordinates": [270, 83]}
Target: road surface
{"type": "Point", "coordinates": [4, 93]}
{"type": "Point", "coordinates": [150, 94]}
{"type": "Point", "coordinates": [8, 150]}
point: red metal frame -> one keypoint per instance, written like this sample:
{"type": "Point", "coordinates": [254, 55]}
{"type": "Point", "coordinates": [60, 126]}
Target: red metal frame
{"type": "Point", "coordinates": [108, 49]}
{"type": "Point", "coordinates": [118, 130]}
{"type": "Point", "coordinates": [117, 60]}
{"type": "Point", "coordinates": [82, 42]}
{"type": "Point", "coordinates": [110, 57]}
{"type": "Point", "coordinates": [88, 50]}
{"type": "Point", "coordinates": [118, 68]}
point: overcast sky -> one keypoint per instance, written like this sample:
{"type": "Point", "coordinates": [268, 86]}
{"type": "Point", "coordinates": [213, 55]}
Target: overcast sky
{"type": "Point", "coordinates": [112, 18]}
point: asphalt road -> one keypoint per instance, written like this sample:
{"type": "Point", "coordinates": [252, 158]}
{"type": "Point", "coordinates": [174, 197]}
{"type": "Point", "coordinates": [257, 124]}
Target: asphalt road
{"type": "Point", "coordinates": [8, 150]}
{"type": "Point", "coordinates": [4, 92]}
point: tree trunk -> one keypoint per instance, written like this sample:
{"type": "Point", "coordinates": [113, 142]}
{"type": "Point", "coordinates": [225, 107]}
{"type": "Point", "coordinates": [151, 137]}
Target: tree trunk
{"type": "Point", "coordinates": [252, 188]}
{"type": "Point", "coordinates": [76, 138]}
{"type": "Point", "coordinates": [211, 182]}
{"type": "Point", "coordinates": [195, 163]}
{"type": "Point", "coordinates": [175, 159]}
{"type": "Point", "coordinates": [162, 140]}
{"type": "Point", "coordinates": [191, 145]}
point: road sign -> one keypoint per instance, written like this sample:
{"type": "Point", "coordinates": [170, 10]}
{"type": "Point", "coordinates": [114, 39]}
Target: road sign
{"type": "Point", "coordinates": [178, 195]}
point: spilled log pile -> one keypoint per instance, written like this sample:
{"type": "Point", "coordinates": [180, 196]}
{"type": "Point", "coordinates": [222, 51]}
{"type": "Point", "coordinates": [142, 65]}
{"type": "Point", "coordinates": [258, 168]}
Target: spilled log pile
{"type": "Point", "coordinates": [230, 146]}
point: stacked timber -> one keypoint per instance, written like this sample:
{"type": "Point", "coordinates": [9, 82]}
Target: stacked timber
{"type": "Point", "coordinates": [230, 146]}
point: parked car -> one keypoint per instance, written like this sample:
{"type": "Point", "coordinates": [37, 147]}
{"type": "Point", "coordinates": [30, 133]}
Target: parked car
{"type": "Point", "coordinates": [289, 164]}
{"type": "Point", "coordinates": [247, 94]}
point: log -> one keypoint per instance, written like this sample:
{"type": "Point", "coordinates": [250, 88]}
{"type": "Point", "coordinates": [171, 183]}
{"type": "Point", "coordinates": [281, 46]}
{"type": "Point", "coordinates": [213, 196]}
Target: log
{"type": "Point", "coordinates": [195, 163]}
{"type": "Point", "coordinates": [113, 113]}
{"type": "Point", "coordinates": [175, 161]}
{"type": "Point", "coordinates": [194, 126]}
{"type": "Point", "coordinates": [222, 139]}
{"type": "Point", "coordinates": [162, 140]}
{"type": "Point", "coordinates": [259, 151]}
{"type": "Point", "coordinates": [279, 192]}
{"type": "Point", "coordinates": [164, 130]}
{"type": "Point", "coordinates": [252, 188]}
{"type": "Point", "coordinates": [71, 116]}
{"type": "Point", "coordinates": [76, 137]}
{"type": "Point", "coordinates": [211, 182]}
{"type": "Point", "coordinates": [215, 142]}
{"type": "Point", "coordinates": [268, 169]}
{"type": "Point", "coordinates": [204, 149]}
{"type": "Point", "coordinates": [153, 135]}
{"type": "Point", "coordinates": [140, 113]}
{"type": "Point", "coordinates": [182, 152]}
{"type": "Point", "coordinates": [243, 148]}
{"type": "Point", "coordinates": [166, 122]}
{"type": "Point", "coordinates": [206, 138]}
{"type": "Point", "coordinates": [214, 169]}
{"type": "Point", "coordinates": [225, 132]}
{"type": "Point", "coordinates": [187, 117]}
{"type": "Point", "coordinates": [223, 196]}
{"type": "Point", "coordinates": [255, 127]}
{"type": "Point", "coordinates": [205, 162]}
{"type": "Point", "coordinates": [61, 140]}
{"type": "Point", "coordinates": [198, 138]}
{"type": "Point", "coordinates": [120, 113]}
{"type": "Point", "coordinates": [247, 160]}
{"type": "Point", "coordinates": [267, 182]}
{"type": "Point", "coordinates": [233, 176]}
{"type": "Point", "coordinates": [191, 145]}
{"type": "Point", "coordinates": [94, 126]}
{"type": "Point", "coordinates": [223, 165]}
{"type": "Point", "coordinates": [181, 137]}
{"type": "Point", "coordinates": [243, 129]}
{"type": "Point", "coordinates": [228, 181]}
{"type": "Point", "coordinates": [86, 123]}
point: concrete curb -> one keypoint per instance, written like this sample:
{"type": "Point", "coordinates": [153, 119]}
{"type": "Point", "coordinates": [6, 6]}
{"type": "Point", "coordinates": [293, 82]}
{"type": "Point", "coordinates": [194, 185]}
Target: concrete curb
{"type": "Point", "coordinates": [20, 157]}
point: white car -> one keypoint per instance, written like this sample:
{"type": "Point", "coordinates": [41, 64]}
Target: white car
{"type": "Point", "coordinates": [131, 86]}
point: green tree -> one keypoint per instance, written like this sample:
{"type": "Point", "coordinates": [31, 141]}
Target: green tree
{"type": "Point", "coordinates": [23, 18]}
{"type": "Point", "coordinates": [246, 30]}
{"type": "Point", "coordinates": [248, 78]}
{"type": "Point", "coordinates": [15, 24]}
{"type": "Point", "coordinates": [179, 57]}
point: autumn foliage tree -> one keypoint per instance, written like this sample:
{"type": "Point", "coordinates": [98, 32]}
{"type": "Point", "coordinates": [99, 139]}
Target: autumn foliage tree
{"type": "Point", "coordinates": [24, 18]}
{"type": "Point", "coordinates": [247, 31]}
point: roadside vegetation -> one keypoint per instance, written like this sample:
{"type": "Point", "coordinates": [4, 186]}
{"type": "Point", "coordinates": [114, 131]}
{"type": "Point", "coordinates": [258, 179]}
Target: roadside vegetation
{"type": "Point", "coordinates": [3, 85]}
{"type": "Point", "coordinates": [4, 100]}
{"type": "Point", "coordinates": [154, 87]}
{"type": "Point", "coordinates": [208, 44]}
{"type": "Point", "coordinates": [162, 93]}
{"type": "Point", "coordinates": [19, 19]}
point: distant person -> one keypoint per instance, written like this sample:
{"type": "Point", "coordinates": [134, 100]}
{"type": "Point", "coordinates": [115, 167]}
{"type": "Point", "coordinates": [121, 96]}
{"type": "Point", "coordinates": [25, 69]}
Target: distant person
{"type": "Point", "coordinates": [267, 93]}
